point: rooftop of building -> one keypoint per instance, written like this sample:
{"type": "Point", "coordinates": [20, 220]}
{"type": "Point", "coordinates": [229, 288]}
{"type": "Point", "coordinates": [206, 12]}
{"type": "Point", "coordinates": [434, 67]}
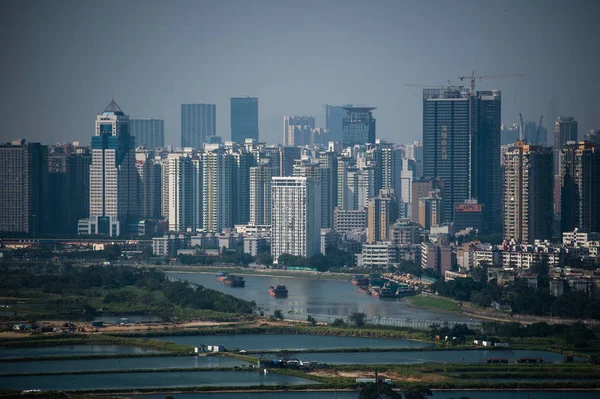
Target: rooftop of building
{"type": "Point", "coordinates": [113, 109]}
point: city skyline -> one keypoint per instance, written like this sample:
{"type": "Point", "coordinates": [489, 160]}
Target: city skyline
{"type": "Point", "coordinates": [75, 74]}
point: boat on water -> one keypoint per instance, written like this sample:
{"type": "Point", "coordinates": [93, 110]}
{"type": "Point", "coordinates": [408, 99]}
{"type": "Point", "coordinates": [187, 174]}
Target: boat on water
{"type": "Point", "coordinates": [235, 281]}
{"type": "Point", "coordinates": [221, 276]}
{"type": "Point", "coordinates": [376, 280]}
{"type": "Point", "coordinates": [360, 280]}
{"type": "Point", "coordinates": [405, 290]}
{"type": "Point", "coordinates": [278, 291]}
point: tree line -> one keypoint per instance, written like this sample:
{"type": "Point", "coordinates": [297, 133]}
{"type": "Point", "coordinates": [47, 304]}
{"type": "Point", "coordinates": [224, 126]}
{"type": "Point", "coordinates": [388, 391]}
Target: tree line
{"type": "Point", "coordinates": [85, 281]}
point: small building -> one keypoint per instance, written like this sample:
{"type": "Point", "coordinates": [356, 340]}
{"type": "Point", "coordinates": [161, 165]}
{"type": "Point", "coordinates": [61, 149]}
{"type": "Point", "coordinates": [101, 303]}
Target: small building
{"type": "Point", "coordinates": [215, 348]}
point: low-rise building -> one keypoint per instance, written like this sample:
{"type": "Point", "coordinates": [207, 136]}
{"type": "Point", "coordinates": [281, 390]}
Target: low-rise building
{"type": "Point", "coordinates": [382, 254]}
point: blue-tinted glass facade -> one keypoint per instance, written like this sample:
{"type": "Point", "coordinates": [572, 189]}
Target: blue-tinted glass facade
{"type": "Point", "coordinates": [244, 119]}
{"type": "Point", "coordinates": [149, 133]}
{"type": "Point", "coordinates": [198, 123]}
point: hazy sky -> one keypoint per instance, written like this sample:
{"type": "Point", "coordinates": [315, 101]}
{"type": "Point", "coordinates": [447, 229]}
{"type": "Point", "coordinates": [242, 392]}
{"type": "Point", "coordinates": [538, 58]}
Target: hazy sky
{"type": "Point", "coordinates": [63, 60]}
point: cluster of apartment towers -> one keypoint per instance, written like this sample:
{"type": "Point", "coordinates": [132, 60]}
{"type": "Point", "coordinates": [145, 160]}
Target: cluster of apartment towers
{"type": "Point", "coordinates": [340, 179]}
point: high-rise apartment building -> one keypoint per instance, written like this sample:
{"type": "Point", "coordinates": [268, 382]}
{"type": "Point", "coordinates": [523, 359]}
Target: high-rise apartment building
{"type": "Point", "coordinates": [297, 130]}
{"type": "Point", "coordinates": [149, 133]}
{"type": "Point", "coordinates": [81, 162]}
{"type": "Point", "coordinates": [461, 146]}
{"type": "Point", "coordinates": [580, 187]}
{"type": "Point", "coordinates": [565, 129]}
{"type": "Point", "coordinates": [24, 192]}
{"type": "Point", "coordinates": [113, 176]}
{"type": "Point", "coordinates": [358, 126]}
{"type": "Point", "coordinates": [486, 174]}
{"type": "Point", "coordinates": [260, 194]}
{"type": "Point", "coordinates": [218, 168]}
{"type": "Point", "coordinates": [242, 162]}
{"type": "Point", "coordinates": [288, 157]}
{"type": "Point", "coordinates": [321, 175]}
{"type": "Point", "coordinates": [447, 115]}
{"type": "Point", "coordinates": [420, 189]}
{"type": "Point", "coordinates": [59, 191]}
{"type": "Point", "coordinates": [184, 192]}
{"type": "Point", "coordinates": [431, 212]}
{"type": "Point", "coordinates": [328, 161]}
{"type": "Point", "coordinates": [528, 186]}
{"type": "Point", "coordinates": [244, 119]}
{"type": "Point", "coordinates": [295, 216]}
{"type": "Point", "coordinates": [382, 213]}
{"type": "Point", "coordinates": [149, 184]}
{"type": "Point", "coordinates": [334, 121]}
{"type": "Point", "coordinates": [198, 123]}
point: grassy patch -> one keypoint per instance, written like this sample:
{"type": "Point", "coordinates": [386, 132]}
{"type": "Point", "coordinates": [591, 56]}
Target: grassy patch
{"type": "Point", "coordinates": [431, 302]}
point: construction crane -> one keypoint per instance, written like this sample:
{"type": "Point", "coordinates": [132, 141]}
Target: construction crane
{"type": "Point", "coordinates": [522, 131]}
{"type": "Point", "coordinates": [473, 77]}
{"type": "Point", "coordinates": [537, 133]}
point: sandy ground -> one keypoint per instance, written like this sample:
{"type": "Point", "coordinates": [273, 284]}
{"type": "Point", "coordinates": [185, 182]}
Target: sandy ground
{"type": "Point", "coordinates": [395, 376]}
{"type": "Point", "coordinates": [86, 327]}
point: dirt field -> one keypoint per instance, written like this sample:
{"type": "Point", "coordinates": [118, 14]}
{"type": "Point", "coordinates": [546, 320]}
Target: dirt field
{"type": "Point", "coordinates": [395, 376]}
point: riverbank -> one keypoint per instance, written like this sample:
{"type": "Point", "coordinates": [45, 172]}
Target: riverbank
{"type": "Point", "coordinates": [245, 271]}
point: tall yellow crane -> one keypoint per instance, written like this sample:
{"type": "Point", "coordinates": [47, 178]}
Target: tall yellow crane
{"type": "Point", "coordinates": [473, 77]}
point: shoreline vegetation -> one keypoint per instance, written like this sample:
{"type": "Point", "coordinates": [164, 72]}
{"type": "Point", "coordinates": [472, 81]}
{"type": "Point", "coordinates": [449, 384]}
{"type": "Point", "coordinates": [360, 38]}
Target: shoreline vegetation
{"type": "Point", "coordinates": [84, 290]}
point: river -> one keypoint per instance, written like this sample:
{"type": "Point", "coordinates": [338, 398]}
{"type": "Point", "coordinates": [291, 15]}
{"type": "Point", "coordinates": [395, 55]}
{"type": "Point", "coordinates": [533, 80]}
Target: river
{"type": "Point", "coordinates": [333, 297]}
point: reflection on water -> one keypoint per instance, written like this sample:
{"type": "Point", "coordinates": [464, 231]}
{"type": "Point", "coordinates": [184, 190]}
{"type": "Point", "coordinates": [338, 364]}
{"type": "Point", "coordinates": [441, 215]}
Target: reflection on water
{"type": "Point", "coordinates": [334, 297]}
{"type": "Point", "coordinates": [69, 382]}
{"type": "Point", "coordinates": [354, 395]}
{"type": "Point", "coordinates": [67, 350]}
{"type": "Point", "coordinates": [161, 362]}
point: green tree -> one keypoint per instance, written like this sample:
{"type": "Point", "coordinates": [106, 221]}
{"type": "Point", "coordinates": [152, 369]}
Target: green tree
{"type": "Point", "coordinates": [417, 393]}
{"type": "Point", "coordinates": [278, 314]}
{"type": "Point", "coordinates": [378, 391]}
{"type": "Point", "coordinates": [358, 319]}
{"type": "Point", "coordinates": [311, 320]}
{"type": "Point", "coordinates": [338, 323]}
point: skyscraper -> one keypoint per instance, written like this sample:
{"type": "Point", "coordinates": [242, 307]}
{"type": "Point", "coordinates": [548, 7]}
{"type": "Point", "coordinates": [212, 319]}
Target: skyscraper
{"type": "Point", "coordinates": [149, 184]}
{"type": "Point", "coordinates": [113, 176]}
{"type": "Point", "coordinates": [184, 188]}
{"type": "Point", "coordinates": [447, 142]}
{"type": "Point", "coordinates": [260, 194]}
{"type": "Point", "coordinates": [198, 123]}
{"type": "Point", "coordinates": [288, 158]}
{"type": "Point", "coordinates": [580, 188]}
{"type": "Point", "coordinates": [420, 188]}
{"type": "Point", "coordinates": [382, 213]}
{"type": "Point", "coordinates": [565, 129]}
{"type": "Point", "coordinates": [149, 133]}
{"type": "Point", "coordinates": [81, 161]}
{"type": "Point", "coordinates": [334, 120]}
{"type": "Point", "coordinates": [59, 191]}
{"type": "Point", "coordinates": [358, 126]}
{"type": "Point", "coordinates": [295, 216]}
{"type": "Point", "coordinates": [431, 213]}
{"type": "Point", "coordinates": [297, 130]}
{"type": "Point", "coordinates": [217, 189]}
{"type": "Point", "coordinates": [461, 145]}
{"type": "Point", "coordinates": [24, 192]}
{"type": "Point", "coordinates": [244, 119]}
{"type": "Point", "coordinates": [486, 174]}
{"type": "Point", "coordinates": [242, 162]}
{"type": "Point", "coordinates": [320, 174]}
{"type": "Point", "coordinates": [528, 199]}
